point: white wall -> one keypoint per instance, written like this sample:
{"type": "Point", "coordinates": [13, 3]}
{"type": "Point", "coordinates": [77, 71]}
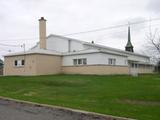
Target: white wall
{"type": "Point", "coordinates": [62, 44]}
{"type": "Point", "coordinates": [130, 56]}
{"type": "Point", "coordinates": [120, 60]}
{"type": "Point", "coordinates": [57, 44]}
{"type": "Point", "coordinates": [138, 58]}
{"type": "Point", "coordinates": [76, 46]}
{"type": "Point", "coordinates": [94, 59]}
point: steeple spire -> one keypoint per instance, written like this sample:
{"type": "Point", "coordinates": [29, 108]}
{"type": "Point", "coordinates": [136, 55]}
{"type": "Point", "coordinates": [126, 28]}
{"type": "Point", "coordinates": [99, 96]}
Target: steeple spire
{"type": "Point", "coordinates": [129, 46]}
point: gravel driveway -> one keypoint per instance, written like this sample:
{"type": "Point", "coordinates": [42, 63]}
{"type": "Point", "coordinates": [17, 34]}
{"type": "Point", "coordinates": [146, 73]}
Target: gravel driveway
{"type": "Point", "coordinates": [12, 110]}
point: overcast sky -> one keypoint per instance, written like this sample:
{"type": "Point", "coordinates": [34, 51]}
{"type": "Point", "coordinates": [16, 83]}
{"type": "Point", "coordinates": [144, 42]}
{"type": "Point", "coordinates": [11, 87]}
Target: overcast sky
{"type": "Point", "coordinates": [19, 21]}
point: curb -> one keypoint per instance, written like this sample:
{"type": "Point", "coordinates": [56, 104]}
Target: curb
{"type": "Point", "coordinates": [108, 117]}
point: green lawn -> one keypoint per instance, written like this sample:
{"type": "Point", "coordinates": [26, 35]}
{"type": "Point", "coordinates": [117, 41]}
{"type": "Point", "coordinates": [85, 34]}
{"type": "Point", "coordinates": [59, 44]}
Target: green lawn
{"type": "Point", "coordinates": [134, 97]}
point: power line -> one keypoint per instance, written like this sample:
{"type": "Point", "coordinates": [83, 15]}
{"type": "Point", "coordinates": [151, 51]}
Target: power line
{"type": "Point", "coordinates": [19, 39]}
{"type": "Point", "coordinates": [89, 31]}
{"type": "Point", "coordinates": [8, 45]}
{"type": "Point", "coordinates": [108, 36]}
{"type": "Point", "coordinates": [112, 27]}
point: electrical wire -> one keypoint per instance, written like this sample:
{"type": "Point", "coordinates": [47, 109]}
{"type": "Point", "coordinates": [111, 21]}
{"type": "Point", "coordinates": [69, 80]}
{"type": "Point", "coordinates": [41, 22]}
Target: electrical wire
{"type": "Point", "coordinates": [108, 36]}
{"type": "Point", "coordinates": [8, 45]}
{"type": "Point", "coordinates": [83, 32]}
{"type": "Point", "coordinates": [19, 39]}
{"type": "Point", "coordinates": [112, 27]}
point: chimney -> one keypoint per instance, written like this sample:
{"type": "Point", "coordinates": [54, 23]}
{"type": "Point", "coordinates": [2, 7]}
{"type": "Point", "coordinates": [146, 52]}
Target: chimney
{"type": "Point", "coordinates": [42, 33]}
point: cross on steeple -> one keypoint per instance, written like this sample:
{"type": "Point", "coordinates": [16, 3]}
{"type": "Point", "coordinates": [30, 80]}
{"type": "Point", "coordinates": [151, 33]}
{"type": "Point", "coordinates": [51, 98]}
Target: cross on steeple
{"type": "Point", "coordinates": [129, 46]}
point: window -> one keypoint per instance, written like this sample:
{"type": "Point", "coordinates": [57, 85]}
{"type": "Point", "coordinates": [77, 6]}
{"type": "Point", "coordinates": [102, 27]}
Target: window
{"type": "Point", "coordinates": [19, 63]}
{"type": "Point", "coordinates": [15, 62]}
{"type": "Point", "coordinates": [82, 61]}
{"type": "Point", "coordinates": [23, 62]}
{"type": "Point", "coordinates": [134, 65]}
{"type": "Point", "coordinates": [111, 61]}
{"type": "Point", "coordinates": [74, 61]}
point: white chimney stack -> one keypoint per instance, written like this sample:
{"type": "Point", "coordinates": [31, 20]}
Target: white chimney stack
{"type": "Point", "coordinates": [42, 33]}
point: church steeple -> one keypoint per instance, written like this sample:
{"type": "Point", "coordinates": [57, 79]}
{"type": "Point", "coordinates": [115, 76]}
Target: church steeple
{"type": "Point", "coordinates": [129, 46]}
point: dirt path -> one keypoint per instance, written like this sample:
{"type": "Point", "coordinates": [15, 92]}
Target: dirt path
{"type": "Point", "coordinates": [12, 110]}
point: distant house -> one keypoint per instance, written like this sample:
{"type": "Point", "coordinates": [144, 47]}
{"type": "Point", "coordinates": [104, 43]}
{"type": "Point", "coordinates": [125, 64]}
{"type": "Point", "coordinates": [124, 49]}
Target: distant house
{"type": "Point", "coordinates": [1, 67]}
{"type": "Point", "coordinates": [58, 54]}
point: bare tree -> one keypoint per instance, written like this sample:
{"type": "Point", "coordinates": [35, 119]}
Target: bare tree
{"type": "Point", "coordinates": [153, 47]}
{"type": "Point", "coordinates": [154, 39]}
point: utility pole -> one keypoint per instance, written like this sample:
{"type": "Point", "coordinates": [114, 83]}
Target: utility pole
{"type": "Point", "coordinates": [24, 47]}
{"type": "Point", "coordinates": [24, 50]}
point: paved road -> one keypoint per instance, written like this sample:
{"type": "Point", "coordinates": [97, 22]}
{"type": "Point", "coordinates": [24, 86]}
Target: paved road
{"type": "Point", "coordinates": [11, 110]}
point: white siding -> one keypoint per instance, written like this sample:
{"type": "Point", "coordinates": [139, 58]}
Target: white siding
{"type": "Point", "coordinates": [130, 56]}
{"type": "Point", "coordinates": [138, 58]}
{"type": "Point", "coordinates": [62, 45]}
{"type": "Point", "coordinates": [95, 59]}
{"type": "Point", "coordinates": [120, 60]}
{"type": "Point", "coordinates": [57, 44]}
{"type": "Point", "coordinates": [76, 46]}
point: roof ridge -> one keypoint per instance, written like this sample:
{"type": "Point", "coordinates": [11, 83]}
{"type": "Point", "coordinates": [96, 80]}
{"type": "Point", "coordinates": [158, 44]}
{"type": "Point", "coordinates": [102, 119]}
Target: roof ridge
{"type": "Point", "coordinates": [67, 38]}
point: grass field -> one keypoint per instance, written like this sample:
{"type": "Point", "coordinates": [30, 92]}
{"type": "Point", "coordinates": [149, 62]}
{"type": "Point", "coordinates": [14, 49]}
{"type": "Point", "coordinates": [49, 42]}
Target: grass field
{"type": "Point", "coordinates": [126, 96]}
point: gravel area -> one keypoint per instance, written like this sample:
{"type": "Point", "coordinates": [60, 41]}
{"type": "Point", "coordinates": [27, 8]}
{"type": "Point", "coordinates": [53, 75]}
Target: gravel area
{"type": "Point", "coordinates": [13, 110]}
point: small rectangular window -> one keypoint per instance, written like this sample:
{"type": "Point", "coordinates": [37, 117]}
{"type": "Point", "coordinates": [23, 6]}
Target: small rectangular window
{"type": "Point", "coordinates": [23, 62]}
{"type": "Point", "coordinates": [134, 65]}
{"type": "Point", "coordinates": [84, 61]}
{"type": "Point", "coordinates": [79, 61]}
{"type": "Point", "coordinates": [111, 61]}
{"type": "Point", "coordinates": [15, 62]}
{"type": "Point", "coordinates": [19, 63]}
{"type": "Point", "coordinates": [74, 61]}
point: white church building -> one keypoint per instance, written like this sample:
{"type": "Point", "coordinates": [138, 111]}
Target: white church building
{"type": "Point", "coordinates": [62, 55]}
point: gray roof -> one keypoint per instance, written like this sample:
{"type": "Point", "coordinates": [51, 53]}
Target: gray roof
{"type": "Point", "coordinates": [39, 51]}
